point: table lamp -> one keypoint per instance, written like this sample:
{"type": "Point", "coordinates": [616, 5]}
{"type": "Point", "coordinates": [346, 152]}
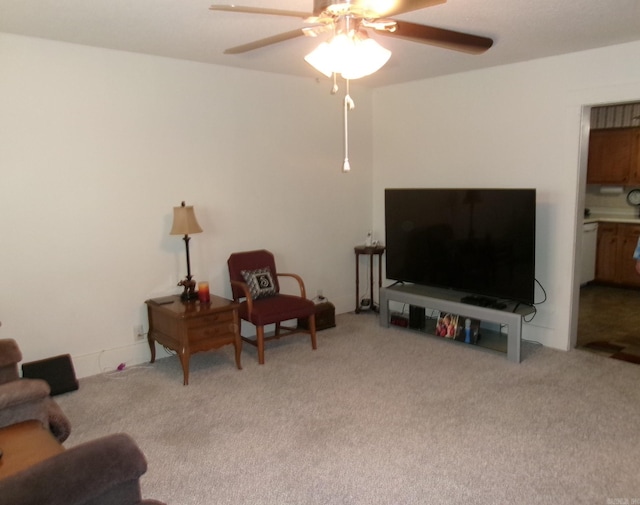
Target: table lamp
{"type": "Point", "coordinates": [185, 223]}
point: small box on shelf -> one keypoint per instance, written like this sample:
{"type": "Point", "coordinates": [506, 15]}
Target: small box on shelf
{"type": "Point", "coordinates": [398, 319]}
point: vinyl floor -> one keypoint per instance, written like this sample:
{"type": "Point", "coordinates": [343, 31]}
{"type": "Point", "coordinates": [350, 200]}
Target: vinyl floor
{"type": "Point", "coordinates": [609, 322]}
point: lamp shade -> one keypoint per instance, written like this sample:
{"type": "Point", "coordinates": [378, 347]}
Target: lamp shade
{"type": "Point", "coordinates": [321, 59]}
{"type": "Point", "coordinates": [367, 57]}
{"type": "Point", "coordinates": [184, 221]}
{"type": "Point", "coordinates": [352, 57]}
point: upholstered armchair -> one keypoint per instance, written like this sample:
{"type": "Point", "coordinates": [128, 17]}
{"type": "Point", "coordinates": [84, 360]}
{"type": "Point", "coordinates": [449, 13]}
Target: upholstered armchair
{"type": "Point", "coordinates": [254, 283]}
{"type": "Point", "coordinates": [25, 399]}
{"type": "Point", "coordinates": [105, 471]}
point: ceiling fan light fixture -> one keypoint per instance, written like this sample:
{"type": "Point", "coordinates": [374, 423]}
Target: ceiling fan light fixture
{"type": "Point", "coordinates": [321, 58]}
{"type": "Point", "coordinates": [351, 56]}
{"type": "Point", "coordinates": [387, 25]}
{"type": "Point", "coordinates": [367, 57]}
{"type": "Point", "coordinates": [362, 8]}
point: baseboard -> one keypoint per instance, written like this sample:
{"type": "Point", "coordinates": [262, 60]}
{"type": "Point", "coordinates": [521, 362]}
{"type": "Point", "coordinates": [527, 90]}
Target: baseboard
{"type": "Point", "coordinates": [108, 360]}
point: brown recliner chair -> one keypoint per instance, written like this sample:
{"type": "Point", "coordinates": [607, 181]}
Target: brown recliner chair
{"type": "Point", "coordinates": [105, 471]}
{"type": "Point", "coordinates": [254, 283]}
{"type": "Point", "coordinates": [25, 399]}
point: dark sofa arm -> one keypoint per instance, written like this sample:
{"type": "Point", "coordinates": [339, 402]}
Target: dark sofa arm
{"type": "Point", "coordinates": [26, 399]}
{"type": "Point", "coordinates": [10, 356]}
{"type": "Point", "coordinates": [59, 424]}
{"type": "Point", "coordinates": [22, 400]}
{"type": "Point", "coordinates": [105, 471]}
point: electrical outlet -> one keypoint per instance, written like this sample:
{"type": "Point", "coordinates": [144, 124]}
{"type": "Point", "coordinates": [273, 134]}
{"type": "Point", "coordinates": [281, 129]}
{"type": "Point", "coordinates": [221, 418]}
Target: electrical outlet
{"type": "Point", "coordinates": [138, 332]}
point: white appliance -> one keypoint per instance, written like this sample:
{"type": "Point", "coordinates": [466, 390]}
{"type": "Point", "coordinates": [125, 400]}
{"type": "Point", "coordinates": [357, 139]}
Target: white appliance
{"type": "Point", "coordinates": [589, 246]}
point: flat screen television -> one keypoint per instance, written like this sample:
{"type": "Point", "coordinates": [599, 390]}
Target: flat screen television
{"type": "Point", "coordinates": [477, 241]}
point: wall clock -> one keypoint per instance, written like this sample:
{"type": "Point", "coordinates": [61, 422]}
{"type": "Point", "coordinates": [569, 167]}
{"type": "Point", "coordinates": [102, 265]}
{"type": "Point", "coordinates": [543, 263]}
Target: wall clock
{"type": "Point", "coordinates": [633, 197]}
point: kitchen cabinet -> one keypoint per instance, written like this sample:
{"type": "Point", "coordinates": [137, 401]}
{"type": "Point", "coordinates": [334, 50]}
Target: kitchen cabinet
{"type": "Point", "coordinates": [614, 259]}
{"type": "Point", "coordinates": [627, 266]}
{"type": "Point", "coordinates": [614, 156]}
{"type": "Point", "coordinates": [607, 252]}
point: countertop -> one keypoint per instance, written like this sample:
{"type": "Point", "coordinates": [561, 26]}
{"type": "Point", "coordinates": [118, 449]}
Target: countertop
{"type": "Point", "coordinates": [610, 219]}
{"type": "Point", "coordinates": [627, 215]}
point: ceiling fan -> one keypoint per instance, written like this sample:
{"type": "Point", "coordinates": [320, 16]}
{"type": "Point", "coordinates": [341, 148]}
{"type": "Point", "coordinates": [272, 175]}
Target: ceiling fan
{"type": "Point", "coordinates": [350, 51]}
{"type": "Point", "coordinates": [359, 16]}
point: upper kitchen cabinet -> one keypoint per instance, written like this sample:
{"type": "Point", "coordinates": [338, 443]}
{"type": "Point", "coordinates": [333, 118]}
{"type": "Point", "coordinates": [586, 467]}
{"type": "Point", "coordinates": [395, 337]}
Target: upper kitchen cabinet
{"type": "Point", "coordinates": [614, 156]}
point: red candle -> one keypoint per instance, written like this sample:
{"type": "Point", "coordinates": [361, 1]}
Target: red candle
{"type": "Point", "coordinates": [203, 292]}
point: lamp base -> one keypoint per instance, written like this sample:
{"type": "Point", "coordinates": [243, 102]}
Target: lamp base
{"type": "Point", "coordinates": [189, 294]}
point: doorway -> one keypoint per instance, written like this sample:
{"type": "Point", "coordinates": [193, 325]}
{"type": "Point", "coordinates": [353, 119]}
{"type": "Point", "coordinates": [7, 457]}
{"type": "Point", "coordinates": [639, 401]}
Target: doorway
{"type": "Point", "coordinates": [608, 321]}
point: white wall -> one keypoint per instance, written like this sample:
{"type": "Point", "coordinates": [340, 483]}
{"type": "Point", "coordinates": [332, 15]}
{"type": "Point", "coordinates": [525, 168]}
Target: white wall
{"type": "Point", "coordinates": [511, 126]}
{"type": "Point", "coordinates": [97, 146]}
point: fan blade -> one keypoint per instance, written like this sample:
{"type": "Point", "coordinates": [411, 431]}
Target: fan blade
{"type": "Point", "coordinates": [441, 37]}
{"type": "Point", "coordinates": [260, 10]}
{"type": "Point", "coordinates": [402, 6]}
{"type": "Point", "coordinates": [265, 42]}
{"type": "Point", "coordinates": [372, 8]}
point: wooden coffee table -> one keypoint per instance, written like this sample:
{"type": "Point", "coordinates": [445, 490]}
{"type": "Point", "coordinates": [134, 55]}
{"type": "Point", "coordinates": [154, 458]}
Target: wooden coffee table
{"type": "Point", "coordinates": [25, 444]}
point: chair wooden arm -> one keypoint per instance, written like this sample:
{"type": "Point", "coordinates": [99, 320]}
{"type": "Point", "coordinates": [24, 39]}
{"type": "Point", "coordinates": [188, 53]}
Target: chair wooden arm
{"type": "Point", "coordinates": [247, 294]}
{"type": "Point", "coordinates": [303, 292]}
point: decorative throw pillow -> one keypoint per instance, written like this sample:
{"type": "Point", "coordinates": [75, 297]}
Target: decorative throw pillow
{"type": "Point", "coordinates": [260, 282]}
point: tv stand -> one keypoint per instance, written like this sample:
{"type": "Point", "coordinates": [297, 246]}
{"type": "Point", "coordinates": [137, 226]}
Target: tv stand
{"type": "Point", "coordinates": [483, 301]}
{"type": "Point", "coordinates": [507, 314]}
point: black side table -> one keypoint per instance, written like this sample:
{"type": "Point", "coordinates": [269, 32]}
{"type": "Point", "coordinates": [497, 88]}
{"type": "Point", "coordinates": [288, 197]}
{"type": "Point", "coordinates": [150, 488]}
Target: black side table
{"type": "Point", "coordinates": [371, 251]}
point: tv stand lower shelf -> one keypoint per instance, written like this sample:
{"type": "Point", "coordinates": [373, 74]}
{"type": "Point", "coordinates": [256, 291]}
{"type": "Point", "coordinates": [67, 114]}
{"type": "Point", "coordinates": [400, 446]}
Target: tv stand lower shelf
{"type": "Point", "coordinates": [509, 315]}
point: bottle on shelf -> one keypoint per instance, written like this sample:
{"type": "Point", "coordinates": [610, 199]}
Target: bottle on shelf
{"type": "Point", "coordinates": [467, 330]}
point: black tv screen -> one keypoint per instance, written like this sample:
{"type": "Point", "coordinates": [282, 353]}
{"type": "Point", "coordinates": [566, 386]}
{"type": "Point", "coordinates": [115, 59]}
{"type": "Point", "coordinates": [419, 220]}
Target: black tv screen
{"type": "Point", "coordinates": [477, 241]}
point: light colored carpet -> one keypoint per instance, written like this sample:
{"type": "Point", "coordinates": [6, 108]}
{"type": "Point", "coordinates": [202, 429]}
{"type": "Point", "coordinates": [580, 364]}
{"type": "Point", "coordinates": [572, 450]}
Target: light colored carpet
{"type": "Point", "coordinates": [374, 416]}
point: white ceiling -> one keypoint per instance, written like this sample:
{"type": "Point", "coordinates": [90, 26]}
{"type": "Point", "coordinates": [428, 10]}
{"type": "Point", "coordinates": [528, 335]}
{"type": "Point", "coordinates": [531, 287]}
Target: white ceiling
{"type": "Point", "coordinates": [186, 29]}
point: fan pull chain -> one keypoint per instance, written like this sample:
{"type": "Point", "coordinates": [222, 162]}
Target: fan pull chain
{"type": "Point", "coordinates": [348, 105]}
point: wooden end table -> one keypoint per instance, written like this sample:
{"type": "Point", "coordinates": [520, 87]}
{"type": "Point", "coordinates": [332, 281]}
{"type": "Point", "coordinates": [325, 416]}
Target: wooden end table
{"type": "Point", "coordinates": [191, 327]}
{"type": "Point", "coordinates": [25, 444]}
